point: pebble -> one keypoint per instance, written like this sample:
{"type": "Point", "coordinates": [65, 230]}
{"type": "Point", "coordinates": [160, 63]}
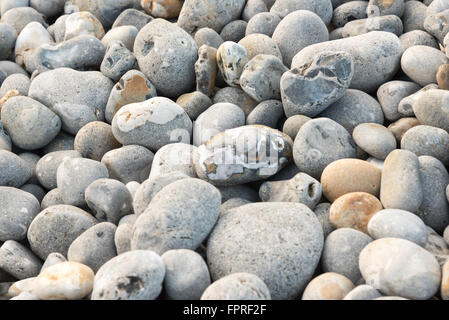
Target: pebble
{"type": "Point", "coordinates": [153, 123]}
{"type": "Point", "coordinates": [382, 8]}
{"type": "Point", "coordinates": [237, 286]}
{"type": "Point", "coordinates": [231, 204]}
{"type": "Point", "coordinates": [52, 259]}
{"type": "Point", "coordinates": [302, 188]}
{"type": "Point", "coordinates": [19, 18]}
{"type": "Point", "coordinates": [401, 186]}
{"type": "Point", "coordinates": [293, 124]}
{"type": "Point", "coordinates": [194, 103]}
{"type": "Point", "coordinates": [391, 94]}
{"type": "Point", "coordinates": [405, 107]}
{"type": "Point", "coordinates": [328, 286]}
{"type": "Point", "coordinates": [256, 44]}
{"type": "Point", "coordinates": [198, 202]}
{"type": "Point", "coordinates": [363, 292]}
{"type": "Point", "coordinates": [417, 38]}
{"type": "Point", "coordinates": [267, 113]}
{"type": "Point", "coordinates": [48, 8]}
{"type": "Point", "coordinates": [374, 139]}
{"type": "Point", "coordinates": [430, 109]}
{"type": "Point", "coordinates": [399, 267]}
{"type": "Point", "coordinates": [18, 260]}
{"type": "Point", "coordinates": [94, 247]}
{"type": "Point", "coordinates": [175, 157]}
{"type": "Point", "coordinates": [395, 223]}
{"type": "Point", "coordinates": [166, 54]}
{"type": "Point", "coordinates": [117, 60]}
{"type": "Point", "coordinates": [236, 96]}
{"type": "Point", "coordinates": [349, 11]}
{"type": "Point", "coordinates": [209, 37]}
{"type": "Point", "coordinates": [354, 210]}
{"type": "Point", "coordinates": [323, 8]}
{"type": "Point", "coordinates": [134, 275]}
{"type": "Point", "coordinates": [125, 34]}
{"type": "Point", "coordinates": [84, 22]}
{"type": "Point", "coordinates": [234, 246]}
{"type": "Point", "coordinates": [55, 228]}
{"type": "Point", "coordinates": [14, 172]}
{"type": "Point", "coordinates": [222, 161]}
{"type": "Point", "coordinates": [231, 59]}
{"type": "Point", "coordinates": [262, 23]}
{"type": "Point", "coordinates": [74, 175]}
{"type": "Point", "coordinates": [16, 81]}
{"type": "Point", "coordinates": [421, 63]}
{"type": "Point", "coordinates": [310, 88]}
{"type": "Point", "coordinates": [445, 282]}
{"type": "Point", "coordinates": [37, 191]}
{"type": "Point", "coordinates": [47, 166]}
{"type": "Point", "coordinates": [206, 69]}
{"type": "Point", "coordinates": [388, 23]}
{"type": "Point", "coordinates": [443, 77]}
{"type": "Point", "coordinates": [436, 25]}
{"type": "Point", "coordinates": [303, 21]}
{"type": "Point", "coordinates": [322, 213]}
{"type": "Point", "coordinates": [186, 275]}
{"type": "Point", "coordinates": [52, 198]}
{"type": "Point", "coordinates": [123, 233]}
{"type": "Point", "coordinates": [132, 17]}
{"type": "Point", "coordinates": [234, 31]}
{"type": "Point", "coordinates": [252, 8]}
{"type": "Point", "coordinates": [9, 37]}
{"type": "Point", "coordinates": [319, 142]}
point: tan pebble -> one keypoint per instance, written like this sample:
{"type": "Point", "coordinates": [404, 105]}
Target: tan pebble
{"type": "Point", "coordinates": [328, 286]}
{"type": "Point", "coordinates": [64, 281]}
{"type": "Point", "coordinates": [350, 175]}
{"type": "Point", "coordinates": [25, 285]}
{"type": "Point", "coordinates": [400, 127]}
{"type": "Point", "coordinates": [354, 210]}
{"type": "Point", "coordinates": [443, 77]}
{"type": "Point", "coordinates": [445, 282]}
{"type": "Point", "coordinates": [166, 9]}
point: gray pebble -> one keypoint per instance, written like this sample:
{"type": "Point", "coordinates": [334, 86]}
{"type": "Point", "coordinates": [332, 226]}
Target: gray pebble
{"type": "Point", "coordinates": [376, 54]}
{"type": "Point", "coordinates": [234, 31]}
{"type": "Point", "coordinates": [434, 209]}
{"type": "Point", "coordinates": [123, 234]}
{"type": "Point", "coordinates": [132, 17]}
{"type": "Point", "coordinates": [446, 233]}
{"type": "Point", "coordinates": [386, 265]}
{"type": "Point", "coordinates": [196, 201]}
{"type": "Point", "coordinates": [252, 8]}
{"type": "Point", "coordinates": [5, 139]}
{"type": "Point", "coordinates": [125, 34]}
{"type": "Point", "coordinates": [309, 29]}
{"type": "Point", "coordinates": [401, 186]}
{"type": "Point", "coordinates": [216, 119]}
{"type": "Point", "coordinates": [235, 96]}
{"type": "Point", "coordinates": [52, 198]}
{"type": "Point", "coordinates": [16, 81]}
{"type": "Point", "coordinates": [430, 109]}
{"type": "Point", "coordinates": [14, 172]}
{"type": "Point", "coordinates": [391, 93]}
{"type": "Point", "coordinates": [94, 247]}
{"type": "Point", "coordinates": [380, 8]}
{"type": "Point", "coordinates": [19, 18]}
{"type": "Point", "coordinates": [257, 43]}
{"type": "Point", "coordinates": [52, 259]}
{"type": "Point", "coordinates": [267, 113]}
{"type": "Point", "coordinates": [94, 140]}
{"type": "Point", "coordinates": [57, 29]}
{"type": "Point", "coordinates": [186, 275]}
{"type": "Point", "coordinates": [18, 260]}
{"type": "Point", "coordinates": [30, 124]}
{"type": "Point", "coordinates": [166, 54]}
{"type": "Point", "coordinates": [405, 106]}
{"type": "Point", "coordinates": [320, 142]}
{"type": "Point", "coordinates": [323, 8]}
{"type": "Point", "coordinates": [354, 108]}
{"type": "Point", "coordinates": [133, 87]}
{"type": "Point", "coordinates": [11, 4]}
{"type": "Point", "coordinates": [237, 286]}
{"type": "Point", "coordinates": [302, 188]}
{"type": "Point", "coordinates": [109, 200]}
{"type": "Point", "coordinates": [363, 292]}
{"type": "Point", "coordinates": [206, 69]}
{"type": "Point", "coordinates": [374, 139]}
{"type": "Point", "coordinates": [134, 275]}
{"type": "Point", "coordinates": [55, 228]}
{"type": "Point", "coordinates": [37, 191]}
{"type": "Point", "coordinates": [312, 87]}
{"type": "Point", "coordinates": [341, 252]}
{"type": "Point", "coordinates": [293, 124]}
{"type": "Point", "coordinates": [31, 160]}
{"type": "Point", "coordinates": [417, 38]}
{"type": "Point", "coordinates": [117, 60]}
{"type": "Point", "coordinates": [132, 187]}
{"type": "Point", "coordinates": [152, 124]}
{"type": "Point", "coordinates": [48, 8]}
{"type": "Point", "coordinates": [10, 68]}
{"type": "Point", "coordinates": [231, 59]}
{"type": "Point", "coordinates": [436, 6]}
{"type": "Point", "coordinates": [150, 187]}
{"type": "Point", "coordinates": [194, 103]}
{"type": "Point", "coordinates": [234, 245]}
{"type": "Point", "coordinates": [349, 11]}
{"type": "Point", "coordinates": [74, 175]}
{"type": "Point", "coordinates": [239, 191]}
{"type": "Point", "coordinates": [263, 23]}
{"type": "Point", "coordinates": [394, 223]}
{"type": "Point", "coordinates": [436, 25]}
{"type": "Point", "coordinates": [209, 37]}
{"type": "Point", "coordinates": [231, 204]}
{"type": "Point", "coordinates": [128, 163]}
{"type": "Point", "coordinates": [322, 213]}
{"type": "Point", "coordinates": [8, 40]}
{"type": "Point", "coordinates": [390, 23]}
{"type": "Point", "coordinates": [48, 165]}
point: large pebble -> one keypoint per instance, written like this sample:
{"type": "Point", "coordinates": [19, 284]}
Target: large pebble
{"type": "Point", "coordinates": [430, 109]}
{"type": "Point", "coordinates": [14, 171]}
{"type": "Point", "coordinates": [292, 240]}
{"type": "Point", "coordinates": [18, 260]}
{"type": "Point", "coordinates": [374, 139]}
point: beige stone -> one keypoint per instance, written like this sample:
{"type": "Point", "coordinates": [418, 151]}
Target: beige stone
{"type": "Point", "coordinates": [328, 286]}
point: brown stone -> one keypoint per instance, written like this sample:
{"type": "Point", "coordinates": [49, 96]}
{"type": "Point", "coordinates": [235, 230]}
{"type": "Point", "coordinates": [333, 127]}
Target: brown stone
{"type": "Point", "coordinates": [443, 77]}
{"type": "Point", "coordinates": [328, 286]}
{"type": "Point", "coordinates": [445, 282]}
{"type": "Point", "coordinates": [354, 210]}
{"type": "Point", "coordinates": [400, 127]}
{"type": "Point", "coordinates": [166, 9]}
{"type": "Point", "coordinates": [350, 175]}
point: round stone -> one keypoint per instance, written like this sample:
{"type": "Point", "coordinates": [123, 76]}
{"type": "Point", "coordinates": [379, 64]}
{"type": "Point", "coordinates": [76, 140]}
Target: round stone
{"type": "Point", "coordinates": [374, 139]}
{"type": "Point", "coordinates": [328, 286]}
{"type": "Point", "coordinates": [47, 166]}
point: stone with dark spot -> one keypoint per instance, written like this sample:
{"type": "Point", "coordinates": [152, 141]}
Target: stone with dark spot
{"type": "Point", "coordinates": [18, 260]}
{"type": "Point", "coordinates": [117, 60]}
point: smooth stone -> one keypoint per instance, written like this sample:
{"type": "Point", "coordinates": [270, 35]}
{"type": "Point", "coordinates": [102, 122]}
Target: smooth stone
{"type": "Point", "coordinates": [31, 159]}
{"type": "Point", "coordinates": [320, 142]}
{"type": "Point", "coordinates": [267, 113]}
{"type": "Point", "coordinates": [418, 38]}
{"type": "Point", "coordinates": [47, 167]}
{"type": "Point", "coordinates": [363, 292]}
{"type": "Point", "coordinates": [349, 11]}
{"type": "Point", "coordinates": [132, 17]}
{"type": "Point", "coordinates": [94, 140]}
{"type": "Point", "coordinates": [399, 267]}
{"type": "Point", "coordinates": [49, 8]}
{"type": "Point", "coordinates": [381, 8]}
{"type": "Point", "coordinates": [302, 188]}
{"type": "Point", "coordinates": [401, 186]}
{"type": "Point", "coordinates": [80, 23]}
{"type": "Point", "coordinates": [52, 198]}
{"type": "Point", "coordinates": [354, 108]}
{"type": "Point", "coordinates": [354, 210]}
{"type": "Point", "coordinates": [19, 18]}
{"type": "Point", "coordinates": [309, 30]}
{"type": "Point", "coordinates": [219, 161]}
{"type": "Point", "coordinates": [209, 37]}
{"type": "Point", "coordinates": [328, 286]}
{"type": "Point", "coordinates": [235, 96]}
{"type": "Point", "coordinates": [128, 163]}
{"type": "Point", "coordinates": [256, 44]}
{"type": "Point", "coordinates": [125, 34]}
{"type": "Point", "coordinates": [94, 247]}
{"type": "Point", "coordinates": [14, 171]}
{"type": "Point", "coordinates": [74, 175]}
{"type": "Point", "coordinates": [196, 201]}
{"type": "Point", "coordinates": [421, 63]}
{"type": "Point", "coordinates": [194, 103]}
{"type": "Point", "coordinates": [5, 139]}
{"type": "Point", "coordinates": [166, 54]}
{"type": "Point", "coordinates": [376, 55]}
{"type": "Point", "coordinates": [405, 107]}
{"type": "Point", "coordinates": [239, 191]}
{"type": "Point", "coordinates": [186, 275]}
{"type": "Point", "coordinates": [293, 124]}
{"type": "Point", "coordinates": [427, 141]}
{"type": "Point", "coordinates": [123, 234]}
{"type": "Point", "coordinates": [390, 94]}
{"type": "Point", "coordinates": [231, 204]}
{"type": "Point", "coordinates": [443, 77]}
{"type": "Point", "coordinates": [55, 228]}
{"type": "Point", "coordinates": [388, 23]}
{"type": "Point", "coordinates": [430, 109]}
{"type": "Point", "coordinates": [57, 29]}
{"type": "Point", "coordinates": [18, 260]}
{"type": "Point", "coordinates": [263, 23]}
{"type": "Point", "coordinates": [234, 31]}
{"type": "Point", "coordinates": [52, 259]}
{"type": "Point", "coordinates": [234, 245]}
{"type": "Point", "coordinates": [8, 40]}
{"type": "Point", "coordinates": [237, 286]}
{"type": "Point", "coordinates": [322, 213]}
{"type": "Point", "coordinates": [310, 88]}
{"type": "Point", "coordinates": [133, 87]}
{"type": "Point", "coordinates": [436, 25]}
{"type": "Point", "coordinates": [16, 81]}
{"type": "Point", "coordinates": [133, 275]}
{"type": "Point", "coordinates": [252, 8]}
{"type": "Point", "coordinates": [37, 191]}
{"type": "Point", "coordinates": [152, 124]}
{"type": "Point", "coordinates": [374, 139]}
{"type": "Point", "coordinates": [323, 8]}
{"type": "Point", "coordinates": [445, 282]}
{"type": "Point", "coordinates": [175, 157]}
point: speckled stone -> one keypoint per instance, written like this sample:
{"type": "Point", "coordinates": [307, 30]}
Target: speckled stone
{"type": "Point", "coordinates": [47, 166]}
